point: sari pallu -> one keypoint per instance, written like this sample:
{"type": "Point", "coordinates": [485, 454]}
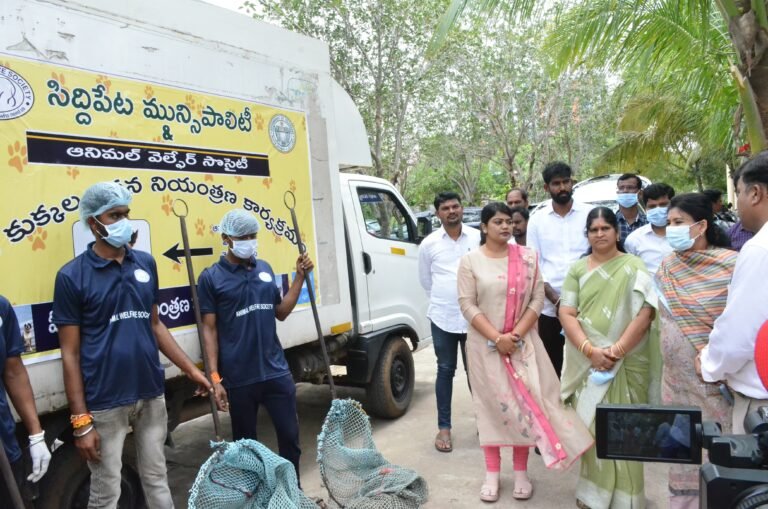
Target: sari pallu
{"type": "Point", "coordinates": [694, 290]}
{"type": "Point", "coordinates": [608, 298]}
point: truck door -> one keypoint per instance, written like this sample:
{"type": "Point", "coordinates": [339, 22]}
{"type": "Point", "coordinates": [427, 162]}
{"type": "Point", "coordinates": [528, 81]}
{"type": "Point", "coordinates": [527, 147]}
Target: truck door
{"type": "Point", "coordinates": [390, 259]}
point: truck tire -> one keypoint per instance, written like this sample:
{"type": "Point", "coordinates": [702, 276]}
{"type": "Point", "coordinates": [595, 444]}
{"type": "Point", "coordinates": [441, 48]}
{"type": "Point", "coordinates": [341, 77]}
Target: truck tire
{"type": "Point", "coordinates": [67, 483]}
{"type": "Point", "coordinates": [391, 387]}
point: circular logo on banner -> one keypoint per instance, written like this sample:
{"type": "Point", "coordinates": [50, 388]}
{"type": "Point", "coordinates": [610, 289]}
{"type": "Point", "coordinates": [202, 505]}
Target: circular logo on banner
{"type": "Point", "coordinates": [282, 133]}
{"type": "Point", "coordinates": [142, 276]}
{"type": "Point", "coordinates": [16, 95]}
{"type": "Point", "coordinates": [264, 276]}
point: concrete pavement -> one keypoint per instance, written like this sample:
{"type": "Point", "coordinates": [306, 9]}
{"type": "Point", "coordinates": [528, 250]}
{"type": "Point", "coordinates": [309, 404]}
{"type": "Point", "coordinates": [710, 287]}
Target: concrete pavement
{"type": "Point", "coordinates": [454, 478]}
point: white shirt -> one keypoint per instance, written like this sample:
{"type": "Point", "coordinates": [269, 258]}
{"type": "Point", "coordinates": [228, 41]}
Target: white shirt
{"type": "Point", "coordinates": [439, 257]}
{"type": "Point", "coordinates": [730, 354]}
{"type": "Point", "coordinates": [560, 241]}
{"type": "Point", "coordinates": [649, 246]}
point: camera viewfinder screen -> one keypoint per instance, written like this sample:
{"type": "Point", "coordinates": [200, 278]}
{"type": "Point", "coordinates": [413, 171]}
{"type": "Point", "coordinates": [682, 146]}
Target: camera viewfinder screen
{"type": "Point", "coordinates": [649, 436]}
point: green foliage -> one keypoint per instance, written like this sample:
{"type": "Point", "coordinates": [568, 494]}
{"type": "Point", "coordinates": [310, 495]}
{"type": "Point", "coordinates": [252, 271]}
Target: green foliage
{"type": "Point", "coordinates": [678, 109]}
{"type": "Point", "coordinates": [377, 51]}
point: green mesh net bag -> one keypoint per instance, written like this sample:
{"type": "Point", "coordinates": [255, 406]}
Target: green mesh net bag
{"type": "Point", "coordinates": [356, 475]}
{"type": "Point", "coordinates": [246, 475]}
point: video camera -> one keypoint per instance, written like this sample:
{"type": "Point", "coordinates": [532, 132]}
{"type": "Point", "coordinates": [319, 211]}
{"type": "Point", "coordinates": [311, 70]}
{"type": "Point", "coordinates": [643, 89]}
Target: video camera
{"type": "Point", "coordinates": [737, 473]}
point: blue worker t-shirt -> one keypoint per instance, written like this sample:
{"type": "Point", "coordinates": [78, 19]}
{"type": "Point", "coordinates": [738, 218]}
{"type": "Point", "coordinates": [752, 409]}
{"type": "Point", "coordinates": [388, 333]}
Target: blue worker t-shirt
{"type": "Point", "coordinates": [244, 301]}
{"type": "Point", "coordinates": [112, 303]}
{"type": "Point", "coordinates": [11, 345]}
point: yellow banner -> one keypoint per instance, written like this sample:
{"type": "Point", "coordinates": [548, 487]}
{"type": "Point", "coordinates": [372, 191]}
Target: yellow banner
{"type": "Point", "coordinates": [63, 129]}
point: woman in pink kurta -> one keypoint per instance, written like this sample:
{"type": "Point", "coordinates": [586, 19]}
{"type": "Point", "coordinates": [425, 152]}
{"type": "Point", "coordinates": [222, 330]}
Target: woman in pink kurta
{"type": "Point", "coordinates": [515, 390]}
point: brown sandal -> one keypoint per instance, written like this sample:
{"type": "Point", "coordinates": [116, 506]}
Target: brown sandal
{"type": "Point", "coordinates": [443, 444]}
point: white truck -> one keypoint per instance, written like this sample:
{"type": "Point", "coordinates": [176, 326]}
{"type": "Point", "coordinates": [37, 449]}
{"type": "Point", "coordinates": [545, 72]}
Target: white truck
{"type": "Point", "coordinates": [182, 99]}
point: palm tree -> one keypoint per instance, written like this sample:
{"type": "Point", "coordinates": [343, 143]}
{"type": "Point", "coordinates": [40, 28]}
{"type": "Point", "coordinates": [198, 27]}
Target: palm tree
{"type": "Point", "coordinates": [708, 56]}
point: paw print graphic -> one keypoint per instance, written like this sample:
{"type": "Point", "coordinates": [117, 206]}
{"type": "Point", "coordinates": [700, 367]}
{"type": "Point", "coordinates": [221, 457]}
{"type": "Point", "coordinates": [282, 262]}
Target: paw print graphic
{"type": "Point", "coordinates": [58, 76]}
{"type": "Point", "coordinates": [157, 139]}
{"type": "Point", "coordinates": [259, 121]}
{"type": "Point", "coordinates": [167, 204]}
{"type": "Point", "coordinates": [267, 182]}
{"type": "Point", "coordinates": [18, 159]}
{"type": "Point", "coordinates": [149, 92]}
{"type": "Point", "coordinates": [200, 227]}
{"type": "Point", "coordinates": [73, 172]}
{"type": "Point", "coordinates": [6, 64]}
{"type": "Point", "coordinates": [278, 238]}
{"type": "Point", "coordinates": [176, 267]}
{"type": "Point", "coordinates": [208, 177]}
{"type": "Point", "coordinates": [238, 178]}
{"type": "Point", "coordinates": [104, 80]}
{"type": "Point", "coordinates": [189, 100]}
{"type": "Point", "coordinates": [38, 239]}
{"type": "Point", "coordinates": [199, 107]}
{"type": "Point", "coordinates": [292, 186]}
{"type": "Point", "coordinates": [113, 134]}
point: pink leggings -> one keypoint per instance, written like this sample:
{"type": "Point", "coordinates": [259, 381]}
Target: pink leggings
{"type": "Point", "coordinates": [493, 458]}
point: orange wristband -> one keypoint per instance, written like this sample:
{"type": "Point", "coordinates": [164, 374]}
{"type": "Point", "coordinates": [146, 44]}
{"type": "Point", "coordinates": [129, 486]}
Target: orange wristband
{"type": "Point", "coordinates": [216, 377]}
{"type": "Point", "coordinates": [81, 420]}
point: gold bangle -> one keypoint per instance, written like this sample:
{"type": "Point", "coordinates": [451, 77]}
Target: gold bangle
{"type": "Point", "coordinates": [583, 344]}
{"type": "Point", "coordinates": [591, 349]}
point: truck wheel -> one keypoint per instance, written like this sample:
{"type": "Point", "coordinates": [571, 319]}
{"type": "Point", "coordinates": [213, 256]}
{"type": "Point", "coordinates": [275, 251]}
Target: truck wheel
{"type": "Point", "coordinates": [68, 481]}
{"type": "Point", "coordinates": [391, 388]}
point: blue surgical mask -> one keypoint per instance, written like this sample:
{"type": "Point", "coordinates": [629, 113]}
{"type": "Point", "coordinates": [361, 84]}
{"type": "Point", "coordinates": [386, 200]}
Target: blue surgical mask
{"type": "Point", "coordinates": [118, 234]}
{"type": "Point", "coordinates": [679, 237]}
{"type": "Point", "coordinates": [658, 216]}
{"type": "Point", "coordinates": [627, 200]}
{"type": "Point", "coordinates": [244, 249]}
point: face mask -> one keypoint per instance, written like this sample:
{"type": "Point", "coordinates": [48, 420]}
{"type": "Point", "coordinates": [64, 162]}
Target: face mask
{"type": "Point", "coordinates": [658, 216]}
{"type": "Point", "coordinates": [679, 237]}
{"type": "Point", "coordinates": [627, 200]}
{"type": "Point", "coordinates": [244, 249]}
{"type": "Point", "coordinates": [118, 234]}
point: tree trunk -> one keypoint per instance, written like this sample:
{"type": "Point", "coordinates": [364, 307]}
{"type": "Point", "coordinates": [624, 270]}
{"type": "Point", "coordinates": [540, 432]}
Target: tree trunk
{"type": "Point", "coordinates": [748, 30]}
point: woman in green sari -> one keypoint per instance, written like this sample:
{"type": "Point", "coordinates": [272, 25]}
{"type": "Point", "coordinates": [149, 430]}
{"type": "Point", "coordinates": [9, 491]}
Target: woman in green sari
{"type": "Point", "coordinates": [608, 308]}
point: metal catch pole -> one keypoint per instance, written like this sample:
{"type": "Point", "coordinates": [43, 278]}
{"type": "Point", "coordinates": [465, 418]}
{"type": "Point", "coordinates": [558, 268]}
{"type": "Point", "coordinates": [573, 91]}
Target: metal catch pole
{"type": "Point", "coordinates": [290, 202]}
{"type": "Point", "coordinates": [182, 215]}
{"type": "Point", "coordinates": [10, 480]}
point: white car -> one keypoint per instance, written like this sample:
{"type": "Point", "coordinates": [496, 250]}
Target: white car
{"type": "Point", "coordinates": [597, 191]}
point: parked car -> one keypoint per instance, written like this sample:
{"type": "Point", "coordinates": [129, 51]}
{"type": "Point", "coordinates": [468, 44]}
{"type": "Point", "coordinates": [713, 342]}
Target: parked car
{"type": "Point", "coordinates": [472, 216]}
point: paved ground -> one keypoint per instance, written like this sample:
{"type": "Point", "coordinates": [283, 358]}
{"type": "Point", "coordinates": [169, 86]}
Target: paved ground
{"type": "Point", "coordinates": [454, 479]}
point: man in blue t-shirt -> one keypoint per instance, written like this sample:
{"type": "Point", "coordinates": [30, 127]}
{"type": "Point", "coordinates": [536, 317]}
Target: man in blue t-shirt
{"type": "Point", "coordinates": [16, 383]}
{"type": "Point", "coordinates": [239, 300]}
{"type": "Point", "coordinates": [105, 306]}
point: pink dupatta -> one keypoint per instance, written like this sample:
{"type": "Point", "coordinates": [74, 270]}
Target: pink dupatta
{"type": "Point", "coordinates": [544, 435]}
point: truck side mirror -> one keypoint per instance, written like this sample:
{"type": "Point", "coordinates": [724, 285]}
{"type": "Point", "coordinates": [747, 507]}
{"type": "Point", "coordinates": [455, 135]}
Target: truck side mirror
{"type": "Point", "coordinates": [423, 228]}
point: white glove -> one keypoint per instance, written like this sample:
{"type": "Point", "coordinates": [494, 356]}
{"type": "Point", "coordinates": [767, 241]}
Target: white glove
{"type": "Point", "coordinates": [41, 456]}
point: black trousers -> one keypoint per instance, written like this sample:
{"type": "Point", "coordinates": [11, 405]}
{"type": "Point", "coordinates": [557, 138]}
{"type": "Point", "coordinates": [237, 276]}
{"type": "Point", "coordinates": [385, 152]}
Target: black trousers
{"type": "Point", "coordinates": [554, 341]}
{"type": "Point", "coordinates": [279, 398]}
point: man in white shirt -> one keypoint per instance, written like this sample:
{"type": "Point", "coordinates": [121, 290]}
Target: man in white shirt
{"type": "Point", "coordinates": [558, 233]}
{"type": "Point", "coordinates": [649, 242]}
{"type": "Point", "coordinates": [730, 354]}
{"type": "Point", "coordinates": [439, 255]}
